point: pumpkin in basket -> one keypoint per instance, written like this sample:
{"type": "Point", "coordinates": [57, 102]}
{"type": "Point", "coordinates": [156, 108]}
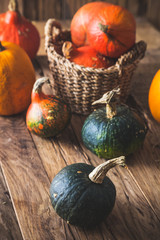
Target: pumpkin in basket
{"type": "Point", "coordinates": [83, 195]}
{"type": "Point", "coordinates": [110, 29]}
{"type": "Point", "coordinates": [17, 77]}
{"type": "Point", "coordinates": [47, 115]}
{"type": "Point", "coordinates": [17, 29]}
{"type": "Point", "coordinates": [86, 56]}
{"type": "Point", "coordinates": [113, 130]}
{"type": "Point", "coordinates": [68, 76]}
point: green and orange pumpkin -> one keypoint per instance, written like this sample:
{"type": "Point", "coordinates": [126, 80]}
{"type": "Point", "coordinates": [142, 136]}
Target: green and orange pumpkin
{"type": "Point", "coordinates": [47, 115]}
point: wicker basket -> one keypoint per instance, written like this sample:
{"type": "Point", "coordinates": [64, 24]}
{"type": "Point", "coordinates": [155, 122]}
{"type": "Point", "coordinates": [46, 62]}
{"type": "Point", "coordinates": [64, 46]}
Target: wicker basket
{"type": "Point", "coordinates": [81, 86]}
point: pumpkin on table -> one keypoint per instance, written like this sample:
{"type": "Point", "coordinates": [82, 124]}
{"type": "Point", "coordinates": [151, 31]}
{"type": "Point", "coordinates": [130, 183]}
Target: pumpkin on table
{"type": "Point", "coordinates": [83, 195]}
{"type": "Point", "coordinates": [47, 115]}
{"type": "Point", "coordinates": [113, 130]}
{"type": "Point", "coordinates": [154, 97]}
{"type": "Point", "coordinates": [17, 77]}
{"type": "Point", "coordinates": [17, 29]}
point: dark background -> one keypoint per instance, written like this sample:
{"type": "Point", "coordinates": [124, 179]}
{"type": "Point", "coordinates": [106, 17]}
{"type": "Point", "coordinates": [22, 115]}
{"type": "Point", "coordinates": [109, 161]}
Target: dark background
{"type": "Point", "coordinates": [41, 10]}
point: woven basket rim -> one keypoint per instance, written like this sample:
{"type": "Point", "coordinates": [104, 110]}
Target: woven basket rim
{"type": "Point", "coordinates": [134, 53]}
{"type": "Point", "coordinates": [79, 85]}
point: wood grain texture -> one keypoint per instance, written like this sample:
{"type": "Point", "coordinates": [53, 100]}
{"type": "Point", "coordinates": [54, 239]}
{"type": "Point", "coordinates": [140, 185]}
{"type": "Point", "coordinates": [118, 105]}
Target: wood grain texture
{"type": "Point", "coordinates": [21, 161]}
{"type": "Point", "coordinates": [29, 164]}
{"type": "Point", "coordinates": [9, 228]}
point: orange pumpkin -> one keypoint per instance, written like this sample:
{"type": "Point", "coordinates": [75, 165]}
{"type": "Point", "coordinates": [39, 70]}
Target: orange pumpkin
{"type": "Point", "coordinates": [81, 19]}
{"type": "Point", "coordinates": [17, 29]}
{"type": "Point", "coordinates": [154, 97]}
{"type": "Point", "coordinates": [86, 56]}
{"type": "Point", "coordinates": [109, 29]}
{"type": "Point", "coordinates": [17, 77]}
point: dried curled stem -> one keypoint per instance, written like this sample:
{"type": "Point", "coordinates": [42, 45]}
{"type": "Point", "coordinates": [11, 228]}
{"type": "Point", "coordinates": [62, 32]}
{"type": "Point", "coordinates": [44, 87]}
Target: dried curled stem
{"type": "Point", "coordinates": [99, 173]}
{"type": "Point", "coordinates": [106, 98]}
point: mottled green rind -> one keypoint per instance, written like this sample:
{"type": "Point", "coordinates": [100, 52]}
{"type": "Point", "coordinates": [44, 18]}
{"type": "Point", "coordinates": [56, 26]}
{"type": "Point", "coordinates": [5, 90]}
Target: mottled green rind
{"type": "Point", "coordinates": [121, 135]}
{"type": "Point", "coordinates": [78, 200]}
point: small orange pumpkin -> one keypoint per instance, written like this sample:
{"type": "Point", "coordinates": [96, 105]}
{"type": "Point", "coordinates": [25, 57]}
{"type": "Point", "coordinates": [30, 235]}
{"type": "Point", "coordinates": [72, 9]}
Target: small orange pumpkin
{"type": "Point", "coordinates": [154, 97]}
{"type": "Point", "coordinates": [47, 115]}
{"type": "Point", "coordinates": [17, 29]}
{"type": "Point", "coordinates": [17, 77]}
{"type": "Point", "coordinates": [86, 56]}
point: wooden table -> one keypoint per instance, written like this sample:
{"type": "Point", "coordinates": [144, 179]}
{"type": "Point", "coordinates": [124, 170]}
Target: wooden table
{"type": "Point", "coordinates": [29, 163]}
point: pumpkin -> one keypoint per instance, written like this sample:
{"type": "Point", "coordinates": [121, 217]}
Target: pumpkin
{"type": "Point", "coordinates": [47, 115]}
{"type": "Point", "coordinates": [110, 29]}
{"type": "Point", "coordinates": [17, 77]}
{"type": "Point", "coordinates": [17, 29]}
{"type": "Point", "coordinates": [81, 19]}
{"type": "Point", "coordinates": [113, 130]}
{"type": "Point", "coordinates": [86, 56]}
{"type": "Point", "coordinates": [154, 97]}
{"type": "Point", "coordinates": [83, 195]}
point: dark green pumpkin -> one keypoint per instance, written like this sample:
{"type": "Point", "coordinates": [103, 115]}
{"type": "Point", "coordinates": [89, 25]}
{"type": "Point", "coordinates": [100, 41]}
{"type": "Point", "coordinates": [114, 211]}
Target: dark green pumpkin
{"type": "Point", "coordinates": [84, 197]}
{"type": "Point", "coordinates": [120, 131]}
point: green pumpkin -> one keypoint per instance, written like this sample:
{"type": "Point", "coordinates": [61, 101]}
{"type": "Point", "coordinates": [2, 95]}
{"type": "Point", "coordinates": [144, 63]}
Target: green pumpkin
{"type": "Point", "coordinates": [82, 195]}
{"type": "Point", "coordinates": [113, 131]}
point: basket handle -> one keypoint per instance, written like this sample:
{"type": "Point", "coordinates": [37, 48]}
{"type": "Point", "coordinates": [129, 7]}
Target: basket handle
{"type": "Point", "coordinates": [135, 54]}
{"type": "Point", "coordinates": [48, 30]}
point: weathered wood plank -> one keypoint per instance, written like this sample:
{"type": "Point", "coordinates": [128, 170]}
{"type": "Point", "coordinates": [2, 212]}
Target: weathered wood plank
{"type": "Point", "coordinates": [140, 86]}
{"type": "Point", "coordinates": [29, 163]}
{"type": "Point", "coordinates": [9, 228]}
{"type": "Point", "coordinates": [25, 176]}
{"type": "Point", "coordinates": [145, 164]}
{"type": "Point", "coordinates": [28, 183]}
{"type": "Point", "coordinates": [67, 146]}
{"type": "Point", "coordinates": [130, 204]}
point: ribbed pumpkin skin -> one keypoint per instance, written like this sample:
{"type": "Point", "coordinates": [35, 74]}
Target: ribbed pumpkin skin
{"type": "Point", "coordinates": [17, 77]}
{"type": "Point", "coordinates": [48, 117]}
{"type": "Point", "coordinates": [78, 200]}
{"type": "Point", "coordinates": [108, 138]}
{"type": "Point", "coordinates": [110, 29]}
{"type": "Point", "coordinates": [116, 34]}
{"type": "Point", "coordinates": [81, 19]}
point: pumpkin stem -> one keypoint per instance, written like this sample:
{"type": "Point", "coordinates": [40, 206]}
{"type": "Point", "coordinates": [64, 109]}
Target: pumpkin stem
{"type": "Point", "coordinates": [37, 87]}
{"type": "Point", "coordinates": [1, 47]}
{"type": "Point", "coordinates": [99, 173]}
{"type": "Point", "coordinates": [103, 28]}
{"type": "Point", "coordinates": [13, 5]}
{"type": "Point", "coordinates": [106, 98]}
{"type": "Point", "coordinates": [67, 48]}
